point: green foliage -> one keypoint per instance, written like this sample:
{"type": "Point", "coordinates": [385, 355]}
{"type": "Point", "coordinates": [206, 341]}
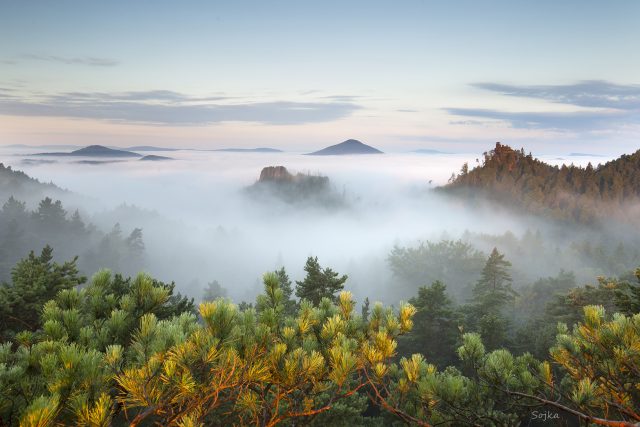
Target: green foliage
{"type": "Point", "coordinates": [569, 307]}
{"type": "Point", "coordinates": [436, 326]}
{"type": "Point", "coordinates": [127, 351]}
{"type": "Point", "coordinates": [455, 263]}
{"type": "Point", "coordinates": [494, 290]}
{"type": "Point", "coordinates": [627, 295]}
{"type": "Point", "coordinates": [319, 283]}
{"type": "Point", "coordinates": [420, 394]}
{"type": "Point", "coordinates": [491, 294]}
{"type": "Point", "coordinates": [263, 367]}
{"type": "Point", "coordinates": [600, 359]}
{"type": "Point", "coordinates": [50, 224]}
{"type": "Point", "coordinates": [35, 280]}
{"type": "Point", "coordinates": [87, 336]}
{"type": "Point", "coordinates": [533, 299]}
{"type": "Point", "coordinates": [120, 253]}
{"type": "Point", "coordinates": [290, 305]}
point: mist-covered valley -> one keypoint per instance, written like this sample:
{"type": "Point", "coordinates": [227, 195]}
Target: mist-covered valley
{"type": "Point", "coordinates": [200, 224]}
{"type": "Point", "coordinates": [140, 264]}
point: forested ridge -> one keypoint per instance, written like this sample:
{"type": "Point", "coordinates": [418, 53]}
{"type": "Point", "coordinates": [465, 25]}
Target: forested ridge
{"type": "Point", "coordinates": [18, 184]}
{"type": "Point", "coordinates": [23, 230]}
{"type": "Point", "coordinates": [573, 193]}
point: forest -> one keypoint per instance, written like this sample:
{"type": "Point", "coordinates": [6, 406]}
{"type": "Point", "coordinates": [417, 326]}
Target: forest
{"type": "Point", "coordinates": [115, 351]}
{"type": "Point", "coordinates": [586, 195]}
{"type": "Point", "coordinates": [484, 338]}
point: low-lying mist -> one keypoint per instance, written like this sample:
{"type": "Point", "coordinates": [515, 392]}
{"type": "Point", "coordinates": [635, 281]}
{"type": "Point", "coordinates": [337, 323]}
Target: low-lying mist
{"type": "Point", "coordinates": [199, 225]}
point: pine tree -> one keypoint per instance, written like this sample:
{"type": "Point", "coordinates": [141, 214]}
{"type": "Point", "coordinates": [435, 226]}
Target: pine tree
{"type": "Point", "coordinates": [494, 290]}
{"type": "Point", "coordinates": [290, 304]}
{"type": "Point", "coordinates": [435, 332]}
{"type": "Point", "coordinates": [319, 283]}
{"type": "Point", "coordinates": [50, 214]}
{"type": "Point", "coordinates": [490, 296]}
{"type": "Point", "coordinates": [213, 291]}
{"type": "Point", "coordinates": [135, 243]}
{"type": "Point", "coordinates": [365, 310]}
{"type": "Point", "coordinates": [35, 280]}
{"type": "Point", "coordinates": [76, 223]}
{"type": "Point", "coordinates": [135, 259]}
{"type": "Point", "coordinates": [14, 209]}
{"type": "Point", "coordinates": [12, 248]}
{"type": "Point", "coordinates": [627, 295]}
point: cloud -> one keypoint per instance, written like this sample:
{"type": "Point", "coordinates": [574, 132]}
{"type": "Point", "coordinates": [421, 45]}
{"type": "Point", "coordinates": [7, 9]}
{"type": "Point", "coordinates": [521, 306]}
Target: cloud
{"type": "Point", "coordinates": [162, 107]}
{"type": "Point", "coordinates": [604, 105]}
{"type": "Point", "coordinates": [589, 93]}
{"type": "Point", "coordinates": [81, 60]}
{"type": "Point", "coordinates": [136, 96]}
{"type": "Point", "coordinates": [573, 121]}
{"type": "Point", "coordinates": [470, 122]}
{"type": "Point", "coordinates": [345, 98]}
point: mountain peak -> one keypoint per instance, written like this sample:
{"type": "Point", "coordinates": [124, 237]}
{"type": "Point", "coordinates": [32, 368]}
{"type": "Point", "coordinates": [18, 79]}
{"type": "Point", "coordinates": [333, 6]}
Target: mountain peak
{"type": "Point", "coordinates": [350, 146]}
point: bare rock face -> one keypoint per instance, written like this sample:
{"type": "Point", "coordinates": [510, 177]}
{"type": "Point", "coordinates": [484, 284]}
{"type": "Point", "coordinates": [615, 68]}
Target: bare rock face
{"type": "Point", "coordinates": [275, 174]}
{"type": "Point", "coordinates": [276, 182]}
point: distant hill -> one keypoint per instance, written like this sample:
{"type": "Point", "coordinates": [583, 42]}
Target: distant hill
{"type": "Point", "coordinates": [94, 151]}
{"type": "Point", "coordinates": [249, 150]}
{"type": "Point", "coordinates": [277, 182]}
{"type": "Point", "coordinates": [585, 195]}
{"type": "Point", "coordinates": [350, 146]}
{"type": "Point", "coordinates": [38, 161]}
{"type": "Point", "coordinates": [153, 158]}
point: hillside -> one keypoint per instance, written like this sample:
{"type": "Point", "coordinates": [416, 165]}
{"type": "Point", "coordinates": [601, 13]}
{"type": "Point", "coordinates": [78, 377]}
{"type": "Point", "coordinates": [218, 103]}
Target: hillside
{"type": "Point", "coordinates": [350, 146]}
{"type": "Point", "coordinates": [154, 158]}
{"type": "Point", "coordinates": [94, 151]}
{"type": "Point", "coordinates": [584, 195]}
{"type": "Point", "coordinates": [277, 182]}
{"type": "Point", "coordinates": [20, 185]}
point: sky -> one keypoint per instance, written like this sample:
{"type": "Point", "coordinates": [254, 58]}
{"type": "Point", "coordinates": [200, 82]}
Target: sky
{"type": "Point", "coordinates": [456, 76]}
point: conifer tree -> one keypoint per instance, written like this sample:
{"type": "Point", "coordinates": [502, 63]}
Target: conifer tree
{"type": "Point", "coordinates": [213, 291]}
{"type": "Point", "coordinates": [494, 287]}
{"type": "Point", "coordinates": [290, 304]}
{"type": "Point", "coordinates": [50, 214]}
{"type": "Point", "coordinates": [627, 296]}
{"type": "Point", "coordinates": [13, 209]}
{"type": "Point", "coordinates": [435, 332]}
{"type": "Point", "coordinates": [491, 294]}
{"type": "Point", "coordinates": [76, 223]}
{"type": "Point", "coordinates": [35, 280]}
{"type": "Point", "coordinates": [365, 310]}
{"type": "Point", "coordinates": [319, 283]}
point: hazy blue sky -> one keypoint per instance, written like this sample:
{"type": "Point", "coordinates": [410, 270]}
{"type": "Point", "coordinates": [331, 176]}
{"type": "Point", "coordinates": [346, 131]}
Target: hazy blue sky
{"type": "Point", "coordinates": [551, 76]}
